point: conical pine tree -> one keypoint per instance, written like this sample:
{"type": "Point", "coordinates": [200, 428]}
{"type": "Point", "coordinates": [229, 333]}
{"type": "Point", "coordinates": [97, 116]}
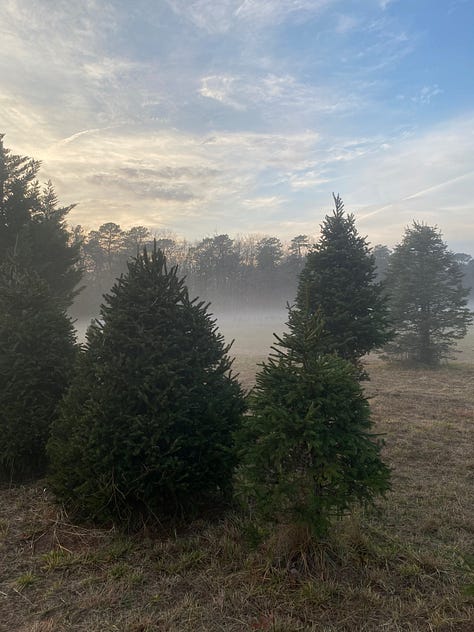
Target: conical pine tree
{"type": "Point", "coordinates": [307, 447]}
{"type": "Point", "coordinates": [147, 426]}
{"type": "Point", "coordinates": [429, 305]}
{"type": "Point", "coordinates": [338, 281]}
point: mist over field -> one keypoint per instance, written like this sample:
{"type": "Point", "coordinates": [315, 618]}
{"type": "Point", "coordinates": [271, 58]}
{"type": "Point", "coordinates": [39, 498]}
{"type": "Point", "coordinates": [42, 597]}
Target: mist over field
{"type": "Point", "coordinates": [251, 331]}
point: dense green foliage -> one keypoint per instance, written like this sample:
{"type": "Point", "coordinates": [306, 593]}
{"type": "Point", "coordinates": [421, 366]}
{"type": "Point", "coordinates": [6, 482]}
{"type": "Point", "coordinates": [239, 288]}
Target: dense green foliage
{"type": "Point", "coordinates": [37, 351]}
{"type": "Point", "coordinates": [428, 302]}
{"type": "Point", "coordinates": [338, 281]}
{"type": "Point", "coordinates": [146, 428]}
{"type": "Point", "coordinates": [32, 226]}
{"type": "Point", "coordinates": [306, 447]}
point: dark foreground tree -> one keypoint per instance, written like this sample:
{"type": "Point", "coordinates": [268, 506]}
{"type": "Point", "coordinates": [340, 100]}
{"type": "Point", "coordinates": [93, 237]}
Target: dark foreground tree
{"type": "Point", "coordinates": [338, 281]}
{"type": "Point", "coordinates": [37, 352]}
{"type": "Point", "coordinates": [428, 302]}
{"type": "Point", "coordinates": [307, 448]}
{"type": "Point", "coordinates": [146, 428]}
{"type": "Point", "coordinates": [32, 226]}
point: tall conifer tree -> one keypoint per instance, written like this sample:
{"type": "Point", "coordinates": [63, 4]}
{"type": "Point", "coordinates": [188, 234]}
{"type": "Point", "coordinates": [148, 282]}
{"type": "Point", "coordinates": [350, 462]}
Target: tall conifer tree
{"type": "Point", "coordinates": [338, 281]}
{"type": "Point", "coordinates": [428, 301]}
{"type": "Point", "coordinates": [32, 226]}
{"type": "Point", "coordinates": [37, 353]}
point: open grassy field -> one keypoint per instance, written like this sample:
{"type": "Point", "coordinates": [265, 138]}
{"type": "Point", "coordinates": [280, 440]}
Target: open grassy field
{"type": "Point", "coordinates": [408, 566]}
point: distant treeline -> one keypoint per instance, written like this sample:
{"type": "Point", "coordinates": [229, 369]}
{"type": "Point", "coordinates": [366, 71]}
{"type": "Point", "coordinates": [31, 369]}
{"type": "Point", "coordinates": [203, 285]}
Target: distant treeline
{"type": "Point", "coordinates": [249, 272]}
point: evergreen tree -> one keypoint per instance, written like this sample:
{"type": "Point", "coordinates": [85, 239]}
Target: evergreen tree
{"type": "Point", "coordinates": [428, 302]}
{"type": "Point", "coordinates": [32, 226]}
{"type": "Point", "coordinates": [37, 352]}
{"type": "Point", "coordinates": [307, 450]}
{"type": "Point", "coordinates": [338, 281]}
{"type": "Point", "coordinates": [269, 253]}
{"type": "Point", "coordinates": [146, 428]}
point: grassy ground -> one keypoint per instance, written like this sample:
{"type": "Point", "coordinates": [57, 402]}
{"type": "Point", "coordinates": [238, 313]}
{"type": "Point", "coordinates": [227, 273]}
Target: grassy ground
{"type": "Point", "coordinates": [405, 567]}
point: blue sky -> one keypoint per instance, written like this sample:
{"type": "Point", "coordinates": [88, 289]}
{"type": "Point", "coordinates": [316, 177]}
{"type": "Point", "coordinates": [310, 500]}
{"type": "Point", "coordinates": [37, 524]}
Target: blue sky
{"type": "Point", "coordinates": [243, 116]}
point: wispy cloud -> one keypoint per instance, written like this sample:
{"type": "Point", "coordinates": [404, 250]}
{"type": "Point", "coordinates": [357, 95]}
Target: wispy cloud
{"type": "Point", "coordinates": [429, 176]}
{"type": "Point", "coordinates": [168, 177]}
{"type": "Point", "coordinates": [346, 23]}
{"type": "Point", "coordinates": [77, 135]}
{"type": "Point", "coordinates": [385, 3]}
{"type": "Point", "coordinates": [182, 181]}
{"type": "Point", "coordinates": [264, 203]}
{"type": "Point", "coordinates": [221, 88]}
{"type": "Point", "coordinates": [222, 16]}
{"type": "Point", "coordinates": [280, 98]}
{"type": "Point", "coordinates": [426, 94]}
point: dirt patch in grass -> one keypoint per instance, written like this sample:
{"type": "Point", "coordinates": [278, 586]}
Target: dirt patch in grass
{"type": "Point", "coordinates": [405, 566]}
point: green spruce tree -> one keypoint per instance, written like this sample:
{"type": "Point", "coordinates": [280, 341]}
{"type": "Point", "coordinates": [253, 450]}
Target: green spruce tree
{"type": "Point", "coordinates": [428, 301]}
{"type": "Point", "coordinates": [37, 353]}
{"type": "Point", "coordinates": [338, 281]}
{"type": "Point", "coordinates": [147, 426]}
{"type": "Point", "coordinates": [307, 448]}
{"type": "Point", "coordinates": [32, 226]}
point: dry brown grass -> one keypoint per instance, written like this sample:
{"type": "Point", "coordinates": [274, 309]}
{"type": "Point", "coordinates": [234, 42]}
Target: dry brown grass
{"type": "Point", "coordinates": [405, 567]}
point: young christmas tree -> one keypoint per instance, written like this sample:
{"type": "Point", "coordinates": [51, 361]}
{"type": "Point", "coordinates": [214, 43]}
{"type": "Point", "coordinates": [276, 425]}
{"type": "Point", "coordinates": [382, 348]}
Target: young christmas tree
{"type": "Point", "coordinates": [37, 353]}
{"type": "Point", "coordinates": [147, 427]}
{"type": "Point", "coordinates": [427, 299]}
{"type": "Point", "coordinates": [338, 280]}
{"type": "Point", "coordinates": [307, 448]}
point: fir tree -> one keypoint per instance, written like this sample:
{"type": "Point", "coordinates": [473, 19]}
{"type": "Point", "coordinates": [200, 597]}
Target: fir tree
{"type": "Point", "coordinates": [338, 281]}
{"type": "Point", "coordinates": [307, 448]}
{"type": "Point", "coordinates": [32, 226]}
{"type": "Point", "coordinates": [146, 428]}
{"type": "Point", "coordinates": [37, 352]}
{"type": "Point", "coordinates": [428, 301]}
